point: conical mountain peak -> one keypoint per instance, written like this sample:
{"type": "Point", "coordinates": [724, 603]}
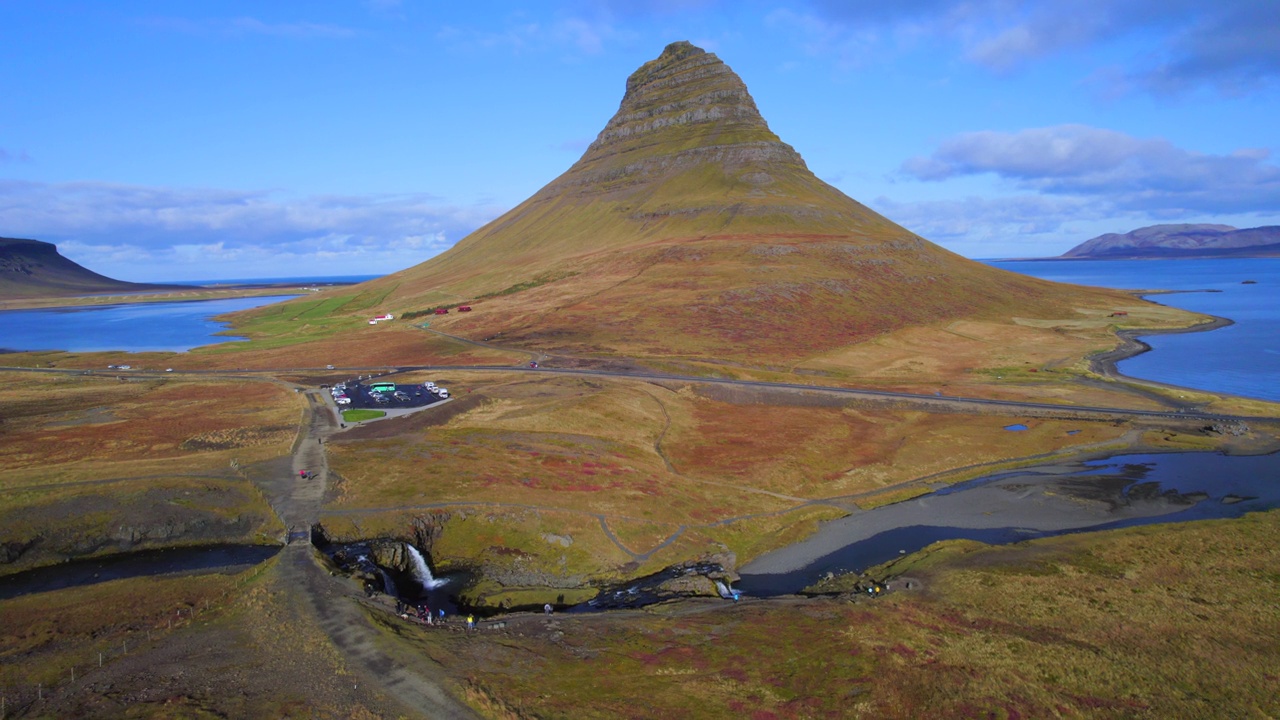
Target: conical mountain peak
{"type": "Point", "coordinates": [682, 108]}
{"type": "Point", "coordinates": [689, 229]}
{"type": "Point", "coordinates": [671, 55]}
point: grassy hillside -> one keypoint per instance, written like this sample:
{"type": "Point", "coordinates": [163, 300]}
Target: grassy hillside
{"type": "Point", "coordinates": [688, 229]}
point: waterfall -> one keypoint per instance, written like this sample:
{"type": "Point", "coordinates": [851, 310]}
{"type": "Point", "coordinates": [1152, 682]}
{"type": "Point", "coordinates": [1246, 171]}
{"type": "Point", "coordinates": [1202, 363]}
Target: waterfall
{"type": "Point", "coordinates": [727, 592]}
{"type": "Point", "coordinates": [421, 571]}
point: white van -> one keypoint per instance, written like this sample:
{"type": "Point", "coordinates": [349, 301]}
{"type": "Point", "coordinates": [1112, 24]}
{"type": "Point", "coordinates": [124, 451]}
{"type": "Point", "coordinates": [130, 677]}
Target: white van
{"type": "Point", "coordinates": [442, 393]}
{"type": "Point", "coordinates": [429, 385]}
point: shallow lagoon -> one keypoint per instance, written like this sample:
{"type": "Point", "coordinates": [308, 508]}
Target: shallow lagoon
{"type": "Point", "coordinates": [1034, 502]}
{"type": "Point", "coordinates": [137, 327]}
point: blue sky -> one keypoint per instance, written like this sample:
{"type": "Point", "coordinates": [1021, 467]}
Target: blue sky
{"type": "Point", "coordinates": [205, 140]}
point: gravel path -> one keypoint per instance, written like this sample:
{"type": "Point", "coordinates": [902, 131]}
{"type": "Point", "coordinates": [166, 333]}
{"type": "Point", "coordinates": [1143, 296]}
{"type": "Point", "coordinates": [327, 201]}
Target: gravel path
{"type": "Point", "coordinates": [334, 602]}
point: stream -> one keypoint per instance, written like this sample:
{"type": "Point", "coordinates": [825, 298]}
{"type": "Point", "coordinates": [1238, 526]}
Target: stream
{"type": "Point", "coordinates": [142, 563]}
{"type": "Point", "coordinates": [1008, 507]}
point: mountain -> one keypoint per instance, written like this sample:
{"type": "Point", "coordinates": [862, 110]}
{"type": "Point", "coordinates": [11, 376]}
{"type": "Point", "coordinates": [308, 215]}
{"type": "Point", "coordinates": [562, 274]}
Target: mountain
{"type": "Point", "coordinates": [32, 268]}
{"type": "Point", "coordinates": [688, 228]}
{"type": "Point", "coordinates": [1182, 241]}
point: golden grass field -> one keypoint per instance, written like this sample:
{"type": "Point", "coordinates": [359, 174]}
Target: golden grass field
{"type": "Point", "coordinates": [544, 483]}
{"type": "Point", "coordinates": [95, 465]}
{"type": "Point", "coordinates": [1159, 621]}
{"type": "Point", "coordinates": [531, 474]}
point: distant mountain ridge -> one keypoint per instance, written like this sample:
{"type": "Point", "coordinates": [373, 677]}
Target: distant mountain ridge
{"type": "Point", "coordinates": [1182, 241]}
{"type": "Point", "coordinates": [34, 268]}
{"type": "Point", "coordinates": [689, 229]}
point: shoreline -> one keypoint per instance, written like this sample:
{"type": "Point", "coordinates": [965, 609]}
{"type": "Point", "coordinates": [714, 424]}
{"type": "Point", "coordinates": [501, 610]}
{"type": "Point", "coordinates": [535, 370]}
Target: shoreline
{"type": "Point", "coordinates": [202, 293]}
{"type": "Point", "coordinates": [1105, 363]}
{"type": "Point", "coordinates": [1062, 497]}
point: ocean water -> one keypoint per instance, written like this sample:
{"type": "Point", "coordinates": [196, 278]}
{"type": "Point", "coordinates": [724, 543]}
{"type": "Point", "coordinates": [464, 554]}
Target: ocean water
{"type": "Point", "coordinates": [140, 327]}
{"type": "Point", "coordinates": [1243, 359]}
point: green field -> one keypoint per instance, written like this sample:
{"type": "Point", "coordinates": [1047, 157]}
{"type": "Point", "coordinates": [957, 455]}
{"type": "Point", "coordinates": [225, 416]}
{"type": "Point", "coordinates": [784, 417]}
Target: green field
{"type": "Point", "coordinates": [358, 415]}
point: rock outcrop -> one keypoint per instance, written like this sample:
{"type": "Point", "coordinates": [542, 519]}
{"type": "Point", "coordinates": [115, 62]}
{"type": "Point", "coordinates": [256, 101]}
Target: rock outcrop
{"type": "Point", "coordinates": [33, 268]}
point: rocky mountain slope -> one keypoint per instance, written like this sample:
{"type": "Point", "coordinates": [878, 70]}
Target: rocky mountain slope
{"type": "Point", "coordinates": [688, 228]}
{"type": "Point", "coordinates": [1174, 241]}
{"type": "Point", "coordinates": [33, 268]}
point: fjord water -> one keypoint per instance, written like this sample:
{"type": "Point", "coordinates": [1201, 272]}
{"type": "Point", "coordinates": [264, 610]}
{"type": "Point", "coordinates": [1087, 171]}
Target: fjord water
{"type": "Point", "coordinates": [1121, 491]}
{"type": "Point", "coordinates": [138, 327]}
{"type": "Point", "coordinates": [1242, 359]}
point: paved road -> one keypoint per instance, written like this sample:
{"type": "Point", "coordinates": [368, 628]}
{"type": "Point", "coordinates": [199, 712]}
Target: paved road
{"type": "Point", "coordinates": [917, 401]}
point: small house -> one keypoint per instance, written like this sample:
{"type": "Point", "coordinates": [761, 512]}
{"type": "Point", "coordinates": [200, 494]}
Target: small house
{"type": "Point", "coordinates": [464, 308]}
{"type": "Point", "coordinates": [442, 311]}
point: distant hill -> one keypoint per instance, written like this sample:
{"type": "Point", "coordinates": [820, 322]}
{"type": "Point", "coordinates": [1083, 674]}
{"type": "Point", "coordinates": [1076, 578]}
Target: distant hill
{"type": "Point", "coordinates": [689, 229]}
{"type": "Point", "coordinates": [33, 268]}
{"type": "Point", "coordinates": [1182, 241]}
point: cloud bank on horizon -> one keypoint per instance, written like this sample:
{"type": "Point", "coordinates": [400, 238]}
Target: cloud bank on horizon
{"type": "Point", "coordinates": [236, 140]}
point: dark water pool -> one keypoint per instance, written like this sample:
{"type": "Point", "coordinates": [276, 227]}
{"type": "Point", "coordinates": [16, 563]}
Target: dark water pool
{"type": "Point", "coordinates": [144, 563]}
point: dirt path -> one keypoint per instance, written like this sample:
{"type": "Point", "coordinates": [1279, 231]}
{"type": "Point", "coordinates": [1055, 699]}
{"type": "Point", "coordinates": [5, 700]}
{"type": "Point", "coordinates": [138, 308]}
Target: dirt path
{"type": "Point", "coordinates": [301, 508]}
{"type": "Point", "coordinates": [333, 602]}
{"type": "Point", "coordinates": [335, 606]}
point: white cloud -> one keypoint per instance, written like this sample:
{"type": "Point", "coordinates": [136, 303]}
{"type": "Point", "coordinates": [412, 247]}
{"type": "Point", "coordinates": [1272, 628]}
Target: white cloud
{"type": "Point", "coordinates": [1036, 225]}
{"type": "Point", "coordinates": [979, 221]}
{"type": "Point", "coordinates": [847, 47]}
{"type": "Point", "coordinates": [583, 34]}
{"type": "Point", "coordinates": [184, 233]}
{"type": "Point", "coordinates": [1227, 44]}
{"type": "Point", "coordinates": [1148, 174]}
{"type": "Point", "coordinates": [1236, 50]}
{"type": "Point", "coordinates": [241, 26]}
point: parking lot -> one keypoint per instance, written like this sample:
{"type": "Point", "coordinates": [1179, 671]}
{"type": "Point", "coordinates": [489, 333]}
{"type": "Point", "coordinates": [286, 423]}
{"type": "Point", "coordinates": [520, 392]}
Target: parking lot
{"type": "Point", "coordinates": [384, 395]}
